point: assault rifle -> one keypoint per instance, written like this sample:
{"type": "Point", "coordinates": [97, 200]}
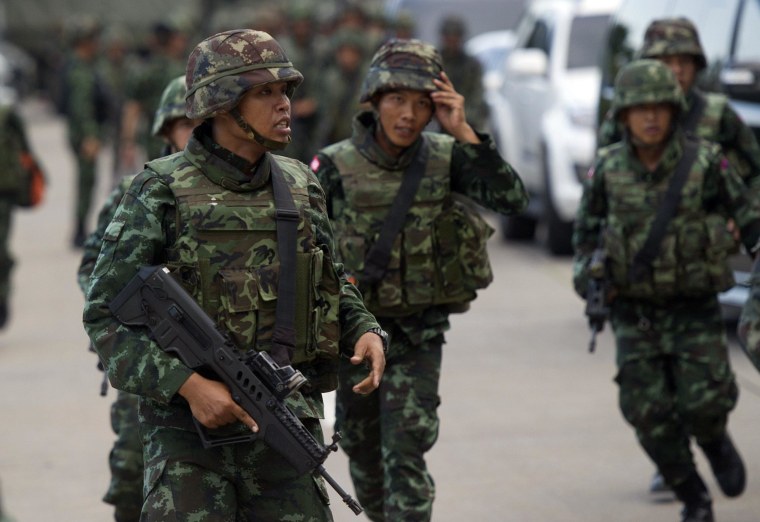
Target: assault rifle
{"type": "Point", "coordinates": [597, 309]}
{"type": "Point", "coordinates": [180, 326]}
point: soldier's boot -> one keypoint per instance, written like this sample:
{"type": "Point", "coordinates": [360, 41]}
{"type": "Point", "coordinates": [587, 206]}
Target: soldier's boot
{"type": "Point", "coordinates": [727, 465]}
{"type": "Point", "coordinates": [659, 488]}
{"type": "Point", "coordinates": [697, 504]}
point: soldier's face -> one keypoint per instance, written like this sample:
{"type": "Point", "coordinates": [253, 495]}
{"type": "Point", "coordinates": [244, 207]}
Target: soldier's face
{"type": "Point", "coordinates": [649, 123]}
{"type": "Point", "coordinates": [684, 68]}
{"type": "Point", "coordinates": [266, 108]}
{"type": "Point", "coordinates": [403, 116]}
{"type": "Point", "coordinates": [178, 132]}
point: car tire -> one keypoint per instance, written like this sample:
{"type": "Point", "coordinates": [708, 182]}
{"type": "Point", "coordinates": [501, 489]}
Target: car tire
{"type": "Point", "coordinates": [559, 233]}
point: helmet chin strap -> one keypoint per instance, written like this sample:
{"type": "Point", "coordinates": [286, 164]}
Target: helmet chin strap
{"type": "Point", "coordinates": [255, 136]}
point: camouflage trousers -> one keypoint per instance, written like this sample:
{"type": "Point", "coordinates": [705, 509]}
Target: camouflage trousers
{"type": "Point", "coordinates": [749, 323]}
{"type": "Point", "coordinates": [243, 482]}
{"type": "Point", "coordinates": [674, 376]}
{"type": "Point", "coordinates": [6, 260]}
{"type": "Point", "coordinates": [125, 491]}
{"type": "Point", "coordinates": [387, 433]}
{"type": "Point", "coordinates": [86, 172]}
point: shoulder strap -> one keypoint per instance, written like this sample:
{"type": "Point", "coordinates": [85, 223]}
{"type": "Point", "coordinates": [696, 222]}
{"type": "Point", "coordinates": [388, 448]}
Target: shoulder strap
{"type": "Point", "coordinates": [287, 217]}
{"type": "Point", "coordinates": [376, 261]}
{"type": "Point", "coordinates": [642, 261]}
{"type": "Point", "coordinates": [691, 118]}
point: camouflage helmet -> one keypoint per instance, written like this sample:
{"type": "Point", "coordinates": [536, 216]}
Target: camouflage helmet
{"type": "Point", "coordinates": [670, 36]}
{"type": "Point", "coordinates": [646, 81]}
{"type": "Point", "coordinates": [402, 64]}
{"type": "Point", "coordinates": [223, 67]}
{"type": "Point", "coordinates": [171, 106]}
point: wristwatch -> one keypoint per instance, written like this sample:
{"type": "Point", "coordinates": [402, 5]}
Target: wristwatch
{"type": "Point", "coordinates": [383, 336]}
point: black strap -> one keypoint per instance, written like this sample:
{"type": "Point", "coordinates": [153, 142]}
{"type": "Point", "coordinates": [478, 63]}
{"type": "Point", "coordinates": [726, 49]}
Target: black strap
{"type": "Point", "coordinates": [642, 261]}
{"type": "Point", "coordinates": [287, 217]}
{"type": "Point", "coordinates": [691, 119]}
{"type": "Point", "coordinates": [376, 261]}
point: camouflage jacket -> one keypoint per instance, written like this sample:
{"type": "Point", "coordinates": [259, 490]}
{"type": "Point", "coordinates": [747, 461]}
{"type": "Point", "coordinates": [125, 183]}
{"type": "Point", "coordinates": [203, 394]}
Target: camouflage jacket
{"type": "Point", "coordinates": [85, 100]}
{"type": "Point", "coordinates": [475, 171]}
{"type": "Point", "coordinates": [12, 144]}
{"type": "Point", "coordinates": [621, 199]}
{"type": "Point", "coordinates": [720, 124]}
{"type": "Point", "coordinates": [143, 232]}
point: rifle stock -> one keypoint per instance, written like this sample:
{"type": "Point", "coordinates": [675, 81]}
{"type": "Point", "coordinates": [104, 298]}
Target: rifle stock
{"type": "Point", "coordinates": [180, 326]}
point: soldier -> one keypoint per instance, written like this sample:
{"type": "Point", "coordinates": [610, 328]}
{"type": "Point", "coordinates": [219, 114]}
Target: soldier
{"type": "Point", "coordinates": [660, 200]}
{"type": "Point", "coordinates": [464, 70]}
{"type": "Point", "coordinates": [126, 459]}
{"type": "Point", "coordinates": [675, 42]}
{"type": "Point", "coordinates": [85, 106]}
{"type": "Point", "coordinates": [16, 164]}
{"type": "Point", "coordinates": [142, 92]}
{"type": "Point", "coordinates": [208, 214]}
{"type": "Point", "coordinates": [418, 269]}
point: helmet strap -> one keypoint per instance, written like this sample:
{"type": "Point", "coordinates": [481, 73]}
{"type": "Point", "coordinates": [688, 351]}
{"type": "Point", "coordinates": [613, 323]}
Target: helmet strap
{"type": "Point", "coordinates": [255, 136]}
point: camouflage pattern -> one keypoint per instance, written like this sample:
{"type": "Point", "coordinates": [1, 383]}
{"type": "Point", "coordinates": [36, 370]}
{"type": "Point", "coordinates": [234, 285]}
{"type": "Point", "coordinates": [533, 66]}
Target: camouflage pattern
{"type": "Point", "coordinates": [389, 470]}
{"type": "Point", "coordinates": [425, 268]}
{"type": "Point", "coordinates": [646, 81]}
{"type": "Point", "coordinates": [144, 232]}
{"type": "Point", "coordinates": [387, 433]}
{"type": "Point", "coordinates": [340, 84]}
{"type": "Point", "coordinates": [240, 482]}
{"type": "Point", "coordinates": [85, 117]}
{"type": "Point", "coordinates": [402, 64]}
{"type": "Point", "coordinates": [171, 106]}
{"type": "Point", "coordinates": [125, 492]}
{"type": "Point", "coordinates": [670, 36]}
{"type": "Point", "coordinates": [674, 376]}
{"type": "Point", "coordinates": [223, 67]}
{"type": "Point", "coordinates": [748, 329]}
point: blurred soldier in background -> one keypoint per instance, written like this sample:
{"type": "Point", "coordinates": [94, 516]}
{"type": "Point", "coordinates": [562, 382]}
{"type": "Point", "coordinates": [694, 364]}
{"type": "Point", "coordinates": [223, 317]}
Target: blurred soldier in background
{"type": "Point", "coordinates": [17, 164]}
{"type": "Point", "coordinates": [659, 201]}
{"type": "Point", "coordinates": [411, 274]}
{"type": "Point", "coordinates": [125, 491]}
{"type": "Point", "coordinates": [84, 102]}
{"type": "Point", "coordinates": [464, 70]}
{"type": "Point", "coordinates": [166, 61]}
{"type": "Point", "coordinates": [307, 50]}
{"type": "Point", "coordinates": [339, 86]}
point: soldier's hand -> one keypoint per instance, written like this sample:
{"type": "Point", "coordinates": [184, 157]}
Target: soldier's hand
{"type": "Point", "coordinates": [90, 147]}
{"type": "Point", "coordinates": [212, 404]}
{"type": "Point", "coordinates": [449, 110]}
{"type": "Point", "coordinates": [369, 348]}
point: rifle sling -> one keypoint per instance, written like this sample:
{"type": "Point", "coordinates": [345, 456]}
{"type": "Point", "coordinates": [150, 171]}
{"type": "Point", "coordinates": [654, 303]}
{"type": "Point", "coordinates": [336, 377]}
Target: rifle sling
{"type": "Point", "coordinates": [287, 218]}
{"type": "Point", "coordinates": [642, 261]}
{"type": "Point", "coordinates": [376, 260]}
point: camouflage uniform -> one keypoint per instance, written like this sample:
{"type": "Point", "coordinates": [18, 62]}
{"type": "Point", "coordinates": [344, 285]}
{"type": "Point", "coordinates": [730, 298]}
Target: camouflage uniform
{"type": "Point", "coordinates": [125, 491]}
{"type": "Point", "coordinates": [85, 104]}
{"type": "Point", "coordinates": [718, 121]}
{"type": "Point", "coordinates": [465, 73]}
{"type": "Point", "coordinates": [208, 214]}
{"type": "Point", "coordinates": [674, 375]}
{"type": "Point", "coordinates": [387, 433]}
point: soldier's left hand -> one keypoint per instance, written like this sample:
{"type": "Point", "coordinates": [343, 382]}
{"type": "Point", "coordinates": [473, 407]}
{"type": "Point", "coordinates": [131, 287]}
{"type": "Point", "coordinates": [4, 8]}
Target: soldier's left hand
{"type": "Point", "coordinates": [369, 348]}
{"type": "Point", "coordinates": [449, 110]}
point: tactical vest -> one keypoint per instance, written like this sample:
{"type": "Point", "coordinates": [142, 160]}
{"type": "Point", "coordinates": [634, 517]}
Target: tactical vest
{"type": "Point", "coordinates": [226, 255]}
{"type": "Point", "coordinates": [693, 255]}
{"type": "Point", "coordinates": [440, 256]}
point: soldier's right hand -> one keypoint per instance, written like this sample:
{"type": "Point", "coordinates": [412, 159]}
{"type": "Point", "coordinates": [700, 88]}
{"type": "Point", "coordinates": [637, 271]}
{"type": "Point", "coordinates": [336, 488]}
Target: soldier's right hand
{"type": "Point", "coordinates": [212, 404]}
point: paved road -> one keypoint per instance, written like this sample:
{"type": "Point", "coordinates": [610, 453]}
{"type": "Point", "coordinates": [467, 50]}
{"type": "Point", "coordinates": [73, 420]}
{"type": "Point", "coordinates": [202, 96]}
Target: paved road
{"type": "Point", "coordinates": [530, 426]}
